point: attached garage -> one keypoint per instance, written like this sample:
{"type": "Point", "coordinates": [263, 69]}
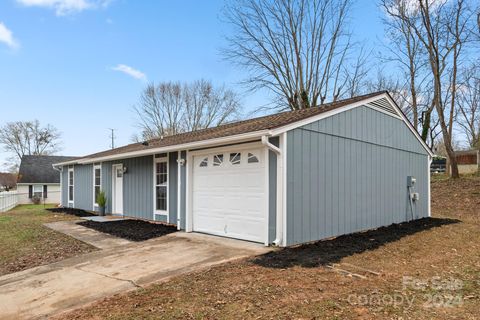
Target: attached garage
{"type": "Point", "coordinates": [282, 179]}
{"type": "Point", "coordinates": [230, 192]}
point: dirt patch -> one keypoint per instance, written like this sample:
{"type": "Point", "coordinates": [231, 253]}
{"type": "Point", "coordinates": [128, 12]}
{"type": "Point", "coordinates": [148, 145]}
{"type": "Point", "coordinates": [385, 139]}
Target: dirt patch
{"type": "Point", "coordinates": [72, 211]}
{"type": "Point", "coordinates": [133, 230]}
{"type": "Point", "coordinates": [25, 243]}
{"type": "Point", "coordinates": [326, 252]}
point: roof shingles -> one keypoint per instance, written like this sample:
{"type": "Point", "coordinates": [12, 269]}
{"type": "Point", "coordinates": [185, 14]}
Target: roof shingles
{"type": "Point", "coordinates": [230, 129]}
{"type": "Point", "coordinates": [38, 169]}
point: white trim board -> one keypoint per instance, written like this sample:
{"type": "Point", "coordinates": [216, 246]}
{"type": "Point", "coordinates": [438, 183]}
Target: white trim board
{"type": "Point", "coordinates": [301, 123]}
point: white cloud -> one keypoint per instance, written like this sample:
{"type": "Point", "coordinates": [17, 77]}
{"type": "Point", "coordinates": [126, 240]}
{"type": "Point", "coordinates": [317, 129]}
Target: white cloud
{"type": "Point", "coordinates": [137, 74]}
{"type": "Point", "coordinates": [6, 36]}
{"type": "Point", "coordinates": [66, 7]}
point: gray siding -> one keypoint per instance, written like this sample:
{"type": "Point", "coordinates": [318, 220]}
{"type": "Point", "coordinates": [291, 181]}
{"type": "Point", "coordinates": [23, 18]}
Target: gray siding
{"type": "Point", "coordinates": [83, 187]}
{"type": "Point", "coordinates": [348, 173]}
{"type": "Point", "coordinates": [107, 184]}
{"type": "Point", "coordinates": [172, 186]}
{"type": "Point", "coordinates": [138, 187]}
{"type": "Point", "coordinates": [64, 181]}
{"type": "Point", "coordinates": [272, 191]}
{"type": "Point", "coordinates": [138, 193]}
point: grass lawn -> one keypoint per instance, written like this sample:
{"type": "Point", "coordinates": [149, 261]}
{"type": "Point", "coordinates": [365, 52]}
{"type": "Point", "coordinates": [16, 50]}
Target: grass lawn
{"type": "Point", "coordinates": [439, 257]}
{"type": "Point", "coordinates": [26, 243]}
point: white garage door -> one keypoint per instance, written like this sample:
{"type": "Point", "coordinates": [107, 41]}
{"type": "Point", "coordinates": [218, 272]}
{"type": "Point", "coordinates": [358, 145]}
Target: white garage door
{"type": "Point", "coordinates": [229, 196]}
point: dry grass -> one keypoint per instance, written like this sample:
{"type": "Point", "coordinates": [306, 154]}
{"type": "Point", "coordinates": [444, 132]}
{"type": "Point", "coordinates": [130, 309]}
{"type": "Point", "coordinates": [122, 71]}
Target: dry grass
{"type": "Point", "coordinates": [26, 243]}
{"type": "Point", "coordinates": [296, 283]}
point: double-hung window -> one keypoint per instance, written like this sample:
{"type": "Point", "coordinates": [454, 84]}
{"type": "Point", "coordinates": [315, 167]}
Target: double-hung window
{"type": "Point", "coordinates": [97, 182]}
{"type": "Point", "coordinates": [161, 185]}
{"type": "Point", "coordinates": [38, 191]}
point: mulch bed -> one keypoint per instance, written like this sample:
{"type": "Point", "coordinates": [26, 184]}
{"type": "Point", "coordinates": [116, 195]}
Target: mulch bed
{"type": "Point", "coordinates": [72, 211]}
{"type": "Point", "coordinates": [134, 230]}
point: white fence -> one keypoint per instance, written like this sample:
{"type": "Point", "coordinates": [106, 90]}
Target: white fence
{"type": "Point", "coordinates": [8, 200]}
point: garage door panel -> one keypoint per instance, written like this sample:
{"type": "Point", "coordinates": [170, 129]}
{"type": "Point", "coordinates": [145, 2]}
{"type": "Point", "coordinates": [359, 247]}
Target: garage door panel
{"type": "Point", "coordinates": [229, 199]}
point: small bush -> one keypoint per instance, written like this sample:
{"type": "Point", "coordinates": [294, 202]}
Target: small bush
{"type": "Point", "coordinates": [36, 200]}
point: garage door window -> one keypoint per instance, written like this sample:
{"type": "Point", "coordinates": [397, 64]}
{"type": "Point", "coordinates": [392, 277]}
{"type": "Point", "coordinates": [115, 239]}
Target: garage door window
{"type": "Point", "coordinates": [204, 162]}
{"type": "Point", "coordinates": [252, 158]}
{"type": "Point", "coordinates": [217, 160]}
{"type": "Point", "coordinates": [161, 184]}
{"type": "Point", "coordinates": [235, 158]}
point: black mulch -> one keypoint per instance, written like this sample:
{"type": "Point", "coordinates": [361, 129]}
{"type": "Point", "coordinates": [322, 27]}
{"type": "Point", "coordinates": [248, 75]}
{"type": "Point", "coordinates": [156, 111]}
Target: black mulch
{"type": "Point", "coordinates": [72, 211]}
{"type": "Point", "coordinates": [134, 230]}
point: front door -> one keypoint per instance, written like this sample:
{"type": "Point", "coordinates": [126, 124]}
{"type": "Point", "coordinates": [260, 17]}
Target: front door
{"type": "Point", "coordinates": [117, 189]}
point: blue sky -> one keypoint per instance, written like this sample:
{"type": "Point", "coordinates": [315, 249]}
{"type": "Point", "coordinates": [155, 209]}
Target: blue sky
{"type": "Point", "coordinates": [57, 63]}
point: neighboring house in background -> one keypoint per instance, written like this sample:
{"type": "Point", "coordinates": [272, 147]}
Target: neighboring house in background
{"type": "Point", "coordinates": [283, 179]}
{"type": "Point", "coordinates": [468, 161]}
{"type": "Point", "coordinates": [8, 181]}
{"type": "Point", "coordinates": [38, 178]}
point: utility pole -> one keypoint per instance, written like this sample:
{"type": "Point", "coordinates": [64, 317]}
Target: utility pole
{"type": "Point", "coordinates": [112, 136]}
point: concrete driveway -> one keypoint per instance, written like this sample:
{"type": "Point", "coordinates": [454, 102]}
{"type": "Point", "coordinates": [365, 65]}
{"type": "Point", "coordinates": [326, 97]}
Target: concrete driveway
{"type": "Point", "coordinates": [47, 290]}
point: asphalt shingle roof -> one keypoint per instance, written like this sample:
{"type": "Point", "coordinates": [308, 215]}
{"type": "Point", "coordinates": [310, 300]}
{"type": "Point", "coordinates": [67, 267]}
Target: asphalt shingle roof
{"type": "Point", "coordinates": [38, 169]}
{"type": "Point", "coordinates": [230, 129]}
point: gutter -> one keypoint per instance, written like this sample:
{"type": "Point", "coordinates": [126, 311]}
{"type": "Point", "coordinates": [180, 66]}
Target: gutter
{"type": "Point", "coordinates": [177, 147]}
{"type": "Point", "coordinates": [278, 153]}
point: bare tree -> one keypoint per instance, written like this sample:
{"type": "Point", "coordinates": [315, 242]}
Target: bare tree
{"type": "Point", "coordinates": [29, 138]}
{"type": "Point", "coordinates": [469, 104]}
{"type": "Point", "coordinates": [170, 108]}
{"type": "Point", "coordinates": [298, 49]}
{"type": "Point", "coordinates": [443, 28]}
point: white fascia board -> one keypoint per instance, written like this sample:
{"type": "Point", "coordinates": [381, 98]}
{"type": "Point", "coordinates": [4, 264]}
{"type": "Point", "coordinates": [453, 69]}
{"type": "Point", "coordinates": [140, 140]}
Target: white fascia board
{"type": "Point", "coordinates": [192, 145]}
{"type": "Point", "coordinates": [323, 115]}
{"type": "Point", "coordinates": [60, 164]}
{"type": "Point", "coordinates": [39, 183]}
{"type": "Point", "coordinates": [409, 125]}
{"type": "Point", "coordinates": [348, 107]}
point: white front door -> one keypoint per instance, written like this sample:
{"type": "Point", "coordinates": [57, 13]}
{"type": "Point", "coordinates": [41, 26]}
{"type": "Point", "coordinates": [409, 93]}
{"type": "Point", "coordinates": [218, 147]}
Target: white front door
{"type": "Point", "coordinates": [229, 193]}
{"type": "Point", "coordinates": [117, 188]}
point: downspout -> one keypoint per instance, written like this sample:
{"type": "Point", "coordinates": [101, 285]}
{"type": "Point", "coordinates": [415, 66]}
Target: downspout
{"type": "Point", "coordinates": [278, 152]}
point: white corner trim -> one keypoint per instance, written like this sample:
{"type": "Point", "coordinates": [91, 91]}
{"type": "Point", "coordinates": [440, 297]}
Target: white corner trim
{"type": "Point", "coordinates": [179, 189]}
{"type": "Point", "coordinates": [283, 147]}
{"type": "Point", "coordinates": [188, 196]}
{"type": "Point", "coordinates": [429, 196]}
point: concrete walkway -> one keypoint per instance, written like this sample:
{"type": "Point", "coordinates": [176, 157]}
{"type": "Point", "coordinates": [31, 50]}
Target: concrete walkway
{"type": "Point", "coordinates": [47, 290]}
{"type": "Point", "coordinates": [97, 239]}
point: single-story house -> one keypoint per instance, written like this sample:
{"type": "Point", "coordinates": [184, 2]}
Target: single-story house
{"type": "Point", "coordinates": [37, 178]}
{"type": "Point", "coordinates": [282, 179]}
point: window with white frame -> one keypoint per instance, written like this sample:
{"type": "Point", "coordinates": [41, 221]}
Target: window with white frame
{"type": "Point", "coordinates": [161, 185]}
{"type": "Point", "coordinates": [37, 191]}
{"type": "Point", "coordinates": [97, 182]}
{"type": "Point", "coordinates": [70, 185]}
